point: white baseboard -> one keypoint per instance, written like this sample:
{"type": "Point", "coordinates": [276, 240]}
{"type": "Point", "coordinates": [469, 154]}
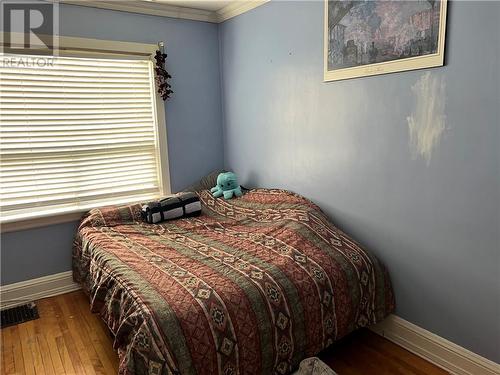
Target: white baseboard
{"type": "Point", "coordinates": [435, 349]}
{"type": "Point", "coordinates": [42, 287]}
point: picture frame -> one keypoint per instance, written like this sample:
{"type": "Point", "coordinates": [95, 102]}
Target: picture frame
{"type": "Point", "coordinates": [367, 38]}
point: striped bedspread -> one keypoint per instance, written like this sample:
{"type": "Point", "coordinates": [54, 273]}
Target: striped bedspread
{"type": "Point", "coordinates": [252, 286]}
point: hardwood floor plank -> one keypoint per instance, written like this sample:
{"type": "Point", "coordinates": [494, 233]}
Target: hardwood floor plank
{"type": "Point", "coordinates": [344, 368]}
{"type": "Point", "coordinates": [360, 347]}
{"type": "Point", "coordinates": [17, 350]}
{"type": "Point", "coordinates": [87, 352]}
{"type": "Point", "coordinates": [82, 336]}
{"type": "Point", "coordinates": [102, 342]}
{"type": "Point", "coordinates": [69, 339]}
{"type": "Point", "coordinates": [48, 367]}
{"type": "Point", "coordinates": [49, 330]}
{"type": "Point", "coordinates": [41, 344]}
{"type": "Point", "coordinates": [49, 321]}
{"type": "Point", "coordinates": [66, 360]}
{"type": "Point", "coordinates": [28, 358]}
{"type": "Point", "coordinates": [36, 351]}
{"type": "Point", "coordinates": [8, 364]}
{"type": "Point", "coordinates": [401, 356]}
{"type": "Point", "coordinates": [67, 345]}
{"type": "Point", "coordinates": [96, 321]}
{"type": "Point", "coordinates": [364, 352]}
{"type": "Point", "coordinates": [101, 363]}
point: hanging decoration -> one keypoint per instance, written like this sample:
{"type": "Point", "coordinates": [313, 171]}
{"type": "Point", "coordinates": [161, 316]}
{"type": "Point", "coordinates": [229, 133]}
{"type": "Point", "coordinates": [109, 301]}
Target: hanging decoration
{"type": "Point", "coordinates": [162, 76]}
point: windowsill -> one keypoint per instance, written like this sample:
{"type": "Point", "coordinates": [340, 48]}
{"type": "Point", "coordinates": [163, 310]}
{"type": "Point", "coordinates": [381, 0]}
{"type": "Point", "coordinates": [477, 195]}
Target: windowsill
{"type": "Point", "coordinates": [75, 214]}
{"type": "Point", "coordinates": [44, 221]}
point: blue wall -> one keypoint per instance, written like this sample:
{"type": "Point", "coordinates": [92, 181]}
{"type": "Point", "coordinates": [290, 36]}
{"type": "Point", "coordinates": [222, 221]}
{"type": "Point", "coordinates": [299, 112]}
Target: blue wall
{"type": "Point", "coordinates": [193, 117]}
{"type": "Point", "coordinates": [343, 144]}
{"type": "Point", "coordinates": [346, 146]}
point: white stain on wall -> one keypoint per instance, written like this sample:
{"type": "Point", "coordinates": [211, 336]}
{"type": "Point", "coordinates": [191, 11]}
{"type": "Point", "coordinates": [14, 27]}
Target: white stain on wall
{"type": "Point", "coordinates": [428, 121]}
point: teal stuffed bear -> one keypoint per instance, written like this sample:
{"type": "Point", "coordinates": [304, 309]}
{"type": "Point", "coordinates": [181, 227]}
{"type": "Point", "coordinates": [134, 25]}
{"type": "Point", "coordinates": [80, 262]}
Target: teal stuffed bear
{"type": "Point", "coordinates": [227, 186]}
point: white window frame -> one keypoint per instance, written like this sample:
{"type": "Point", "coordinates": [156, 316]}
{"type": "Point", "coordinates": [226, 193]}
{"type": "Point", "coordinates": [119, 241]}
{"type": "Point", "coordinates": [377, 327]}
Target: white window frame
{"type": "Point", "coordinates": [81, 47]}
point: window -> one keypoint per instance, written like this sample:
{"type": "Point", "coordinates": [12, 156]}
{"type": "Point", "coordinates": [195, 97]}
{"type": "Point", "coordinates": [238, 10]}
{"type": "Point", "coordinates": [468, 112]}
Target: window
{"type": "Point", "coordinates": [78, 133]}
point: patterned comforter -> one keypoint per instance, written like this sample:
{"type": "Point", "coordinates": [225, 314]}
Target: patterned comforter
{"type": "Point", "coordinates": [252, 286]}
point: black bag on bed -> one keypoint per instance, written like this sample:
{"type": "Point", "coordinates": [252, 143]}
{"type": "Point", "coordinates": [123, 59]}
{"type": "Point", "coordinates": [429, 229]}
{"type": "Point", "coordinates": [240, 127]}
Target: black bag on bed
{"type": "Point", "coordinates": [175, 207]}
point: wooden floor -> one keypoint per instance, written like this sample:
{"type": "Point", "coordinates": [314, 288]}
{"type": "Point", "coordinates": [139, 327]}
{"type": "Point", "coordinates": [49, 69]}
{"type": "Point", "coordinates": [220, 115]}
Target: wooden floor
{"type": "Point", "coordinates": [68, 339]}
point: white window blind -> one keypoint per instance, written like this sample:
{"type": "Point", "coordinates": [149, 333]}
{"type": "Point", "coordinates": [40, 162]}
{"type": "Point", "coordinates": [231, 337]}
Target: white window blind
{"type": "Point", "coordinates": [75, 135]}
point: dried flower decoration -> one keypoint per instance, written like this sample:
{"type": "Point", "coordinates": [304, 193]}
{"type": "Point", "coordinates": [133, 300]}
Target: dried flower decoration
{"type": "Point", "coordinates": [162, 76]}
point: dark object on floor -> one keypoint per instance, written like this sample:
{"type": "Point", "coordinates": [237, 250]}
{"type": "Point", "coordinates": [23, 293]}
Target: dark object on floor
{"type": "Point", "coordinates": [18, 314]}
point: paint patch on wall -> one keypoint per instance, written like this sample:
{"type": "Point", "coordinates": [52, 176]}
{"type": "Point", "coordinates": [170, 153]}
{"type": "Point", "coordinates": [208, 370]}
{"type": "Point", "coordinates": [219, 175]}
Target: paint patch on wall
{"type": "Point", "coordinates": [428, 121]}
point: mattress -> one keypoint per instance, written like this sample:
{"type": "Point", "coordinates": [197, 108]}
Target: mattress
{"type": "Point", "coordinates": [251, 286]}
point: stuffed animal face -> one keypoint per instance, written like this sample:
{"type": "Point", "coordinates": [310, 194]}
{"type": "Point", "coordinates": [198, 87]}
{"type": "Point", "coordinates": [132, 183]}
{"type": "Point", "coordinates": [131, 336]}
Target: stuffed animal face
{"type": "Point", "coordinates": [227, 181]}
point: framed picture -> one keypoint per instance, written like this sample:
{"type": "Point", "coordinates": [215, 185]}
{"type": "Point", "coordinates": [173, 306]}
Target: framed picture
{"type": "Point", "coordinates": [365, 38]}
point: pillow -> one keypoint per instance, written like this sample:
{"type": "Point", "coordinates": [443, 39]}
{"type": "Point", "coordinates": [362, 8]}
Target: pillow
{"type": "Point", "coordinates": [205, 183]}
{"type": "Point", "coordinates": [110, 216]}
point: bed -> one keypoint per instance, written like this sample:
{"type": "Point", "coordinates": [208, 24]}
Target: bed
{"type": "Point", "coordinates": [251, 286]}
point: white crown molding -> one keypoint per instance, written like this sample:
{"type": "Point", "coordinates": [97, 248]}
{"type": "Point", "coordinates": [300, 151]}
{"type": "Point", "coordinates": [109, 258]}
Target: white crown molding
{"type": "Point", "coordinates": [26, 291]}
{"type": "Point", "coordinates": [435, 349]}
{"type": "Point", "coordinates": [237, 8]}
{"type": "Point", "coordinates": [150, 8]}
{"type": "Point", "coordinates": [172, 11]}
